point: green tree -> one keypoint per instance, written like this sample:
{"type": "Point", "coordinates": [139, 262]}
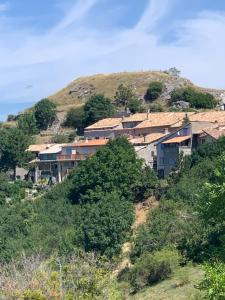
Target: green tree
{"type": "Point", "coordinates": [114, 168]}
{"type": "Point", "coordinates": [13, 147]}
{"type": "Point", "coordinates": [106, 224]}
{"type": "Point", "coordinates": [124, 95]}
{"type": "Point", "coordinates": [196, 98]}
{"type": "Point", "coordinates": [135, 106]}
{"type": "Point", "coordinates": [75, 119]}
{"type": "Point", "coordinates": [27, 123]}
{"type": "Point", "coordinates": [96, 108]}
{"type": "Point", "coordinates": [45, 113]}
{"type": "Point", "coordinates": [154, 90]}
{"type": "Point", "coordinates": [211, 199]}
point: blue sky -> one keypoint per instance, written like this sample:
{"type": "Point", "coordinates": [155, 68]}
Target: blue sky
{"type": "Point", "coordinates": [45, 44]}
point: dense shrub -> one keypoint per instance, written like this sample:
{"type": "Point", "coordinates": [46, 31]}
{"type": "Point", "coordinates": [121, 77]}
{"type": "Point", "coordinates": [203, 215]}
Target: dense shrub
{"type": "Point", "coordinates": [154, 90]}
{"type": "Point", "coordinates": [196, 98]}
{"type": "Point", "coordinates": [156, 108]}
{"type": "Point", "coordinates": [151, 268]}
{"type": "Point", "coordinates": [208, 151]}
{"type": "Point", "coordinates": [195, 177]}
{"type": "Point", "coordinates": [214, 282]}
{"type": "Point", "coordinates": [165, 227]}
{"type": "Point", "coordinates": [60, 138]}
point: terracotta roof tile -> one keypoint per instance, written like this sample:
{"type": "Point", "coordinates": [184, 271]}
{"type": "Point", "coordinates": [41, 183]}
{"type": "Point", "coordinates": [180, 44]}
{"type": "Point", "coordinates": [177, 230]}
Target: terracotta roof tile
{"type": "Point", "coordinates": [88, 143]}
{"type": "Point", "coordinates": [177, 139]}
{"type": "Point", "coordinates": [54, 149]}
{"type": "Point", "coordinates": [105, 123]}
{"type": "Point", "coordinates": [139, 117]}
{"type": "Point", "coordinates": [163, 119]}
{"type": "Point", "coordinates": [210, 116]}
{"type": "Point", "coordinates": [214, 133]}
{"type": "Point", "coordinates": [148, 139]}
{"type": "Point", "coordinates": [39, 148]}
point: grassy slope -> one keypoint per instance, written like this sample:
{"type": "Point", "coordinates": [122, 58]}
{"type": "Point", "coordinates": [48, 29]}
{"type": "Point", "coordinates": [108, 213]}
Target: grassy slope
{"type": "Point", "coordinates": [179, 287]}
{"type": "Point", "coordinates": [107, 84]}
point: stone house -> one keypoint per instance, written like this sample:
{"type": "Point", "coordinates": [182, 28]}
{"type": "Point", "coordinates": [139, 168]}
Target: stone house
{"type": "Point", "coordinates": [58, 160]}
{"type": "Point", "coordinates": [146, 149]}
{"type": "Point", "coordinates": [180, 142]}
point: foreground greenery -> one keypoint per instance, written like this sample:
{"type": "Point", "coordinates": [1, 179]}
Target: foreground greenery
{"type": "Point", "coordinates": [93, 212]}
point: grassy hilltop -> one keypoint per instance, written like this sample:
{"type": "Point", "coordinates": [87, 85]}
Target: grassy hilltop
{"type": "Point", "coordinates": [78, 91]}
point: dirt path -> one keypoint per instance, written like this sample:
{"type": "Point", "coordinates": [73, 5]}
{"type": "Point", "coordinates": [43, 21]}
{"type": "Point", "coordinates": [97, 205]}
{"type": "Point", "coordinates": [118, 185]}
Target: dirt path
{"type": "Point", "coordinates": [141, 212]}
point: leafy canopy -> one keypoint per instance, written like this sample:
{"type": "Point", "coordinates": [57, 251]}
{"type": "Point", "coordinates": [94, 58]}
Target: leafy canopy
{"type": "Point", "coordinates": [195, 98]}
{"type": "Point", "coordinates": [75, 119]}
{"type": "Point", "coordinates": [45, 113]}
{"type": "Point", "coordinates": [213, 283]}
{"type": "Point", "coordinates": [135, 106]}
{"type": "Point", "coordinates": [13, 145]}
{"type": "Point", "coordinates": [96, 108]}
{"type": "Point", "coordinates": [106, 224]}
{"type": "Point", "coordinates": [27, 123]}
{"type": "Point", "coordinates": [113, 168]}
{"type": "Point", "coordinates": [154, 90]}
{"type": "Point", "coordinates": [124, 95]}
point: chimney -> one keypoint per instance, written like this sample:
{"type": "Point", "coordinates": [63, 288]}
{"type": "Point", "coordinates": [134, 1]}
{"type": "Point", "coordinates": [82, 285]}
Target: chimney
{"type": "Point", "coordinates": [166, 131]}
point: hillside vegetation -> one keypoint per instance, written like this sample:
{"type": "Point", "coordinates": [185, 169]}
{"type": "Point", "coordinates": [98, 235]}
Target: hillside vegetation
{"type": "Point", "coordinates": [78, 91]}
{"type": "Point", "coordinates": [67, 242]}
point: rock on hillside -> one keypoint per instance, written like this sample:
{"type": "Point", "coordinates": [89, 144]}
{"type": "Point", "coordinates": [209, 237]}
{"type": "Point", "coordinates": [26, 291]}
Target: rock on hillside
{"type": "Point", "coordinates": [77, 92]}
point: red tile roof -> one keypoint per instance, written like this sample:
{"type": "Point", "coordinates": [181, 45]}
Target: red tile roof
{"type": "Point", "coordinates": [105, 123]}
{"type": "Point", "coordinates": [89, 143]}
{"type": "Point", "coordinates": [148, 139]}
{"type": "Point", "coordinates": [214, 133]}
{"type": "Point", "coordinates": [177, 140]}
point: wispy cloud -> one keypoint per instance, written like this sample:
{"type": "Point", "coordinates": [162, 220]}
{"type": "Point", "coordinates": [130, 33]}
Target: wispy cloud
{"type": "Point", "coordinates": [76, 13]}
{"type": "Point", "coordinates": [155, 10]}
{"type": "Point", "coordinates": [4, 6]}
{"type": "Point", "coordinates": [49, 61]}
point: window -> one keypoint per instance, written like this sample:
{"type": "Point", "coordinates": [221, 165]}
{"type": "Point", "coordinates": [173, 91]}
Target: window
{"type": "Point", "coordinates": [203, 141]}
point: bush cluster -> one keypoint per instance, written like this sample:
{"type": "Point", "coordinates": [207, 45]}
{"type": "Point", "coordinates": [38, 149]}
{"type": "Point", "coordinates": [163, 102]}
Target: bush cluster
{"type": "Point", "coordinates": [196, 98]}
{"type": "Point", "coordinates": [154, 90]}
{"type": "Point", "coordinates": [92, 209]}
{"type": "Point", "coordinates": [151, 268]}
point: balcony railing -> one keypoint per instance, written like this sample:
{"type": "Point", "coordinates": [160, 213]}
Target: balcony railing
{"type": "Point", "coordinates": [72, 157]}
